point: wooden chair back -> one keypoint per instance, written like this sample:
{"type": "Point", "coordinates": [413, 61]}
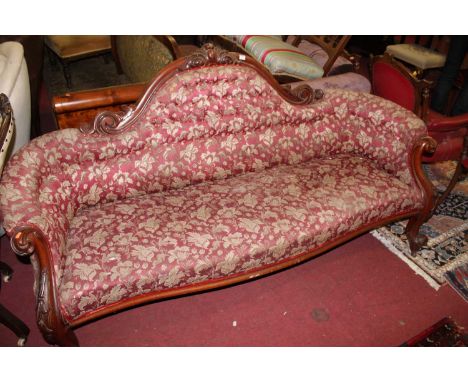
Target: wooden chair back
{"type": "Point", "coordinates": [334, 46]}
{"type": "Point", "coordinates": [7, 128]}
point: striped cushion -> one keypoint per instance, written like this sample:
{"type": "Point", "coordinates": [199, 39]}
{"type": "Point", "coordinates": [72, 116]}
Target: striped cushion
{"type": "Point", "coordinates": [279, 57]}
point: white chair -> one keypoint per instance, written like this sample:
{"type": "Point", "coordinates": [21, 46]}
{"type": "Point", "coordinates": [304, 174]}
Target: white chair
{"type": "Point", "coordinates": [14, 83]}
{"type": "Point", "coordinates": [7, 129]}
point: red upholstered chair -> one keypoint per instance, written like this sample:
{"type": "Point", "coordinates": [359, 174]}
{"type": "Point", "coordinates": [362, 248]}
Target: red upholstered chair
{"type": "Point", "coordinates": [395, 82]}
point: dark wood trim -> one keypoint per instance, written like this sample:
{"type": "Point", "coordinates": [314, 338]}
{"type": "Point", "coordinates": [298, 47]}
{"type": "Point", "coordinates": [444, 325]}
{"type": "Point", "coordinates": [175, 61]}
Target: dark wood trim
{"type": "Point", "coordinates": [79, 109]}
{"type": "Point", "coordinates": [27, 241]}
{"type": "Point", "coordinates": [416, 240]}
{"type": "Point", "coordinates": [91, 99]}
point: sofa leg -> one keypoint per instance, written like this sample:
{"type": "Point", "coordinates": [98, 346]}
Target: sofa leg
{"type": "Point", "coordinates": [415, 239]}
{"type": "Point", "coordinates": [68, 338]}
{"type": "Point", "coordinates": [61, 336]}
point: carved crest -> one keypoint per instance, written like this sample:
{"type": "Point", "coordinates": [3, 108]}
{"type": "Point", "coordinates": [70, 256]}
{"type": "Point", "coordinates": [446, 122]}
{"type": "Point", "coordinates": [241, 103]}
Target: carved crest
{"type": "Point", "coordinates": [209, 54]}
{"type": "Point", "coordinates": [112, 122]}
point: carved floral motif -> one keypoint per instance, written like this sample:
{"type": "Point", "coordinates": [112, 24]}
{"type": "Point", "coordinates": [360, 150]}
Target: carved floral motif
{"type": "Point", "coordinates": [210, 55]}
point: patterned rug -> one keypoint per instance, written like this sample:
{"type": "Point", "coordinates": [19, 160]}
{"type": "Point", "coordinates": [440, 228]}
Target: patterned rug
{"type": "Point", "coordinates": [445, 257]}
{"type": "Point", "coordinates": [445, 333]}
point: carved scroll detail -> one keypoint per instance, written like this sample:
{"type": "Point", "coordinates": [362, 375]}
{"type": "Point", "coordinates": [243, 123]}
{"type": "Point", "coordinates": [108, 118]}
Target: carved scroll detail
{"type": "Point", "coordinates": [209, 54]}
{"type": "Point", "coordinates": [305, 95]}
{"type": "Point", "coordinates": [302, 95]}
{"type": "Point", "coordinates": [22, 241]}
{"type": "Point", "coordinates": [27, 240]}
{"type": "Point", "coordinates": [44, 315]}
{"type": "Point", "coordinates": [109, 122]}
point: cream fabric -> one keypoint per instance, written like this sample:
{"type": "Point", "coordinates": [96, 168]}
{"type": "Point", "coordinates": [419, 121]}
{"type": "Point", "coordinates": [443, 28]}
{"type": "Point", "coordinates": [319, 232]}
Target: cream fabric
{"type": "Point", "coordinates": [14, 83]}
{"type": "Point", "coordinates": [74, 46]}
{"type": "Point", "coordinates": [417, 55]}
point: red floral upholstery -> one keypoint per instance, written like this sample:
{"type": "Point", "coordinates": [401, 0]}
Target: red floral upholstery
{"type": "Point", "coordinates": [215, 229]}
{"type": "Point", "coordinates": [217, 165]}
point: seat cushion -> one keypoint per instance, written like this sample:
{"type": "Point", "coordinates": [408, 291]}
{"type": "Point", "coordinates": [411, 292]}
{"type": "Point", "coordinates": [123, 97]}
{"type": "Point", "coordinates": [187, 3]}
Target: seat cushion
{"type": "Point", "coordinates": [75, 46]}
{"type": "Point", "coordinates": [218, 229]}
{"type": "Point", "coordinates": [279, 57]}
{"type": "Point", "coordinates": [349, 81]}
{"type": "Point", "coordinates": [419, 56]}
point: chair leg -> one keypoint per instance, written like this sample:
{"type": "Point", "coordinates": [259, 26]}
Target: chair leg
{"type": "Point", "coordinates": [416, 240]}
{"type": "Point", "coordinates": [14, 324]}
{"type": "Point", "coordinates": [459, 170]}
{"type": "Point", "coordinates": [66, 73]}
{"type": "Point", "coordinates": [455, 178]}
{"type": "Point", "coordinates": [5, 272]}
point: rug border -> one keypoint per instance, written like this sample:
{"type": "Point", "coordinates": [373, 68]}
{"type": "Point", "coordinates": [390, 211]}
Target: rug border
{"type": "Point", "coordinates": [419, 271]}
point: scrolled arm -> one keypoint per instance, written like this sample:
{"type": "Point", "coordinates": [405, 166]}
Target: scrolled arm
{"type": "Point", "coordinates": [22, 240]}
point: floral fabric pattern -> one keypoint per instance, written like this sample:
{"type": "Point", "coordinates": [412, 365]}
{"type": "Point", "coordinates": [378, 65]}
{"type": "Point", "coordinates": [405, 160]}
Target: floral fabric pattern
{"type": "Point", "coordinates": [210, 124]}
{"type": "Point", "coordinates": [220, 228]}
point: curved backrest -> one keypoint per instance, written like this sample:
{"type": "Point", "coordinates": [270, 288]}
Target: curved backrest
{"type": "Point", "coordinates": [393, 81]}
{"type": "Point", "coordinates": [7, 128]}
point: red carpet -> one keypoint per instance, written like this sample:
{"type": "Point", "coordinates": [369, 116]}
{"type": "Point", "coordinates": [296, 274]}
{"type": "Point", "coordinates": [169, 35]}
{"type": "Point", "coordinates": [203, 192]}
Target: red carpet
{"type": "Point", "coordinates": [359, 294]}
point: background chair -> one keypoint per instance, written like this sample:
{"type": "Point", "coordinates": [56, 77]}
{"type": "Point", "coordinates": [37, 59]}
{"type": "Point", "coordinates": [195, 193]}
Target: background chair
{"type": "Point", "coordinates": [14, 83]}
{"type": "Point", "coordinates": [7, 128]}
{"type": "Point", "coordinates": [322, 61]}
{"type": "Point", "coordinates": [422, 53]}
{"type": "Point", "coordinates": [394, 81]}
{"type": "Point", "coordinates": [72, 48]}
{"type": "Point", "coordinates": [140, 58]}
{"type": "Point", "coordinates": [328, 51]}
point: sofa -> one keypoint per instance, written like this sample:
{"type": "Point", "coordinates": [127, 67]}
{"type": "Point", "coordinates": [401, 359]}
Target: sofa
{"type": "Point", "coordinates": [216, 176]}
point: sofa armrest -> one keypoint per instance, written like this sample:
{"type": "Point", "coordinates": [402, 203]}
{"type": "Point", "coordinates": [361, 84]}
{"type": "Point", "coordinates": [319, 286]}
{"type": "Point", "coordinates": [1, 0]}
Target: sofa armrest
{"type": "Point", "coordinates": [378, 129]}
{"type": "Point", "coordinates": [24, 205]}
{"type": "Point", "coordinates": [78, 109]}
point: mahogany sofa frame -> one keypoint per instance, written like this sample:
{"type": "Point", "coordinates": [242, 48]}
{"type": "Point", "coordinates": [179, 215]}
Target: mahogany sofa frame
{"type": "Point", "coordinates": [29, 240]}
